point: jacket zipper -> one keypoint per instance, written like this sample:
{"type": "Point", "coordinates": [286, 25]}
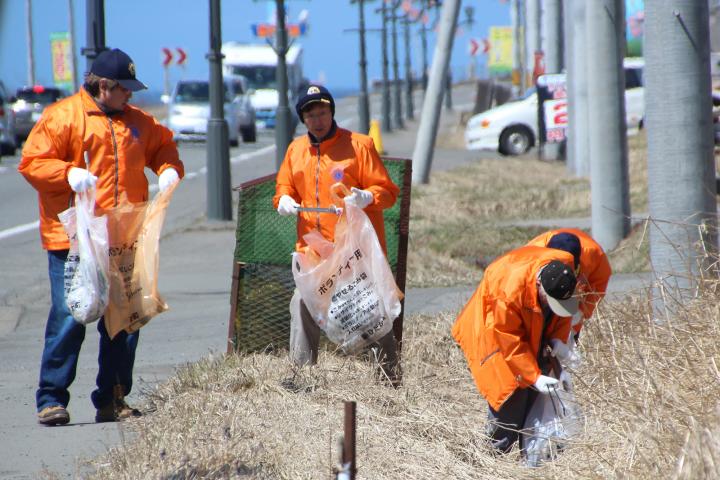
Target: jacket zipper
{"type": "Point", "coordinates": [117, 175]}
{"type": "Point", "coordinates": [317, 186]}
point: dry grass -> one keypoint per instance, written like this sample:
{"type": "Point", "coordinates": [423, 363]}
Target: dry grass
{"type": "Point", "coordinates": [649, 390]}
{"type": "Point", "coordinates": [464, 218]}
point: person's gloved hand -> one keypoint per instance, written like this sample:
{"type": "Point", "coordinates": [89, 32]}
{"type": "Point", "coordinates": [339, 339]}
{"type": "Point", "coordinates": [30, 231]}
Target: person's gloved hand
{"type": "Point", "coordinates": [360, 198]}
{"type": "Point", "coordinates": [545, 384]}
{"type": "Point", "coordinates": [287, 206]}
{"type": "Point", "coordinates": [577, 318]}
{"type": "Point", "coordinates": [81, 180]}
{"type": "Point", "coordinates": [167, 178]}
{"type": "Point", "coordinates": [560, 350]}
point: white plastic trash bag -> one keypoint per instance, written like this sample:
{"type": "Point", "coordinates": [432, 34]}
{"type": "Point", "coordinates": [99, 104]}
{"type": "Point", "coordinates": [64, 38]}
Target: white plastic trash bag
{"type": "Point", "coordinates": [351, 292]}
{"type": "Point", "coordinates": [87, 264]}
{"type": "Point", "coordinates": [552, 421]}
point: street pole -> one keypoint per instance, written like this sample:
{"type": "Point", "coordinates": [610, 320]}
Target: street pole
{"type": "Point", "coordinates": [386, 124]}
{"type": "Point", "coordinates": [363, 102]}
{"type": "Point", "coordinates": [423, 43]}
{"type": "Point", "coordinates": [73, 56]}
{"type": "Point", "coordinates": [430, 115]}
{"type": "Point", "coordinates": [553, 49]}
{"type": "Point", "coordinates": [681, 170]}
{"type": "Point", "coordinates": [95, 30]}
{"type": "Point", "coordinates": [397, 101]}
{"type": "Point", "coordinates": [282, 114]}
{"type": "Point", "coordinates": [408, 71]}
{"type": "Point", "coordinates": [30, 53]}
{"type": "Point", "coordinates": [610, 195]}
{"type": "Point", "coordinates": [532, 38]}
{"type": "Point", "coordinates": [218, 148]}
{"type": "Point", "coordinates": [517, 50]}
{"type": "Point", "coordinates": [567, 24]}
{"type": "Point", "coordinates": [579, 94]}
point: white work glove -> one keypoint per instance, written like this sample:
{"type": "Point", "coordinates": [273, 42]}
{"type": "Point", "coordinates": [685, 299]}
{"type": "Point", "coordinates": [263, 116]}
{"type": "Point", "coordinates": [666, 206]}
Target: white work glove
{"type": "Point", "coordinates": [81, 180]}
{"type": "Point", "coordinates": [577, 318]}
{"type": "Point", "coordinates": [287, 206]}
{"type": "Point", "coordinates": [167, 178]}
{"type": "Point", "coordinates": [360, 198]}
{"type": "Point", "coordinates": [565, 352]}
{"type": "Point", "coordinates": [545, 384]}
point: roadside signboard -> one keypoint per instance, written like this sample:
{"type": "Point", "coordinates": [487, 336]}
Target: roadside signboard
{"type": "Point", "coordinates": [500, 58]}
{"type": "Point", "coordinates": [552, 107]}
{"type": "Point", "coordinates": [61, 60]}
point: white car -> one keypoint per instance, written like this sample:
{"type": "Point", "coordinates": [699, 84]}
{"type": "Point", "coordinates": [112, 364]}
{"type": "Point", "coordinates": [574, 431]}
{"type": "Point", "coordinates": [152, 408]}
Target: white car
{"type": "Point", "coordinates": [189, 111]}
{"type": "Point", "coordinates": [512, 128]}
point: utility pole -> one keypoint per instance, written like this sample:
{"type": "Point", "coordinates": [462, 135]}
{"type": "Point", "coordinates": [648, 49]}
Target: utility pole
{"type": "Point", "coordinates": [518, 74]}
{"type": "Point", "coordinates": [73, 56]}
{"type": "Point", "coordinates": [568, 45]}
{"type": "Point", "coordinates": [552, 20]}
{"type": "Point", "coordinates": [423, 44]}
{"type": "Point", "coordinates": [533, 48]}
{"type": "Point", "coordinates": [363, 102]}
{"type": "Point", "coordinates": [218, 147]}
{"type": "Point", "coordinates": [282, 114]}
{"type": "Point", "coordinates": [397, 101]}
{"type": "Point", "coordinates": [386, 125]}
{"type": "Point", "coordinates": [95, 30]}
{"type": "Point", "coordinates": [430, 116]}
{"type": "Point", "coordinates": [681, 169]}
{"type": "Point", "coordinates": [578, 95]}
{"type": "Point", "coordinates": [408, 70]}
{"type": "Point", "coordinates": [610, 194]}
{"type": "Point", "coordinates": [30, 49]}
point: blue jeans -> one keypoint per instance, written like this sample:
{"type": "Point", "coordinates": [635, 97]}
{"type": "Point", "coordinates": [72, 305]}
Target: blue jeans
{"type": "Point", "coordinates": [63, 339]}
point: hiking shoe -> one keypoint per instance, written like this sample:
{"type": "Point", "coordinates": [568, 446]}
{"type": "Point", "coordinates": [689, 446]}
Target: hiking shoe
{"type": "Point", "coordinates": [117, 409]}
{"type": "Point", "coordinates": [123, 410]}
{"type": "Point", "coordinates": [55, 415]}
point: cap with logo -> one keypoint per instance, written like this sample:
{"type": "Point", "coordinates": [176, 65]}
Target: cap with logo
{"type": "Point", "coordinates": [314, 94]}
{"type": "Point", "coordinates": [117, 65]}
{"type": "Point", "coordinates": [567, 242]}
{"type": "Point", "coordinates": [558, 282]}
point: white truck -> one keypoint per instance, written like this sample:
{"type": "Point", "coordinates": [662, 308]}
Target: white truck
{"type": "Point", "coordinates": [257, 63]}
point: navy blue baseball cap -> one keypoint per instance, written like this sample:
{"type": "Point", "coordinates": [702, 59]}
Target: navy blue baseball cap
{"type": "Point", "coordinates": [117, 65]}
{"type": "Point", "coordinates": [566, 242]}
{"type": "Point", "coordinates": [314, 94]}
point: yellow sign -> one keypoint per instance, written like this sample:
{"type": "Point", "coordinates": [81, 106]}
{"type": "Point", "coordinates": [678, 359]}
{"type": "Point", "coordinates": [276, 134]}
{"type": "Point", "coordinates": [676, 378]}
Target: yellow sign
{"type": "Point", "coordinates": [61, 60]}
{"type": "Point", "coordinates": [500, 56]}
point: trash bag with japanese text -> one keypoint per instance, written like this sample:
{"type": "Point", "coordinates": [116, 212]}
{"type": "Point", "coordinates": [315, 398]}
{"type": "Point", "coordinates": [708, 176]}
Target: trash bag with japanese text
{"type": "Point", "coordinates": [134, 263]}
{"type": "Point", "coordinates": [349, 289]}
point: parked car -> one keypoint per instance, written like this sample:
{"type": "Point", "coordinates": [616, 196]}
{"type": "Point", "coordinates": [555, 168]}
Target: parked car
{"type": "Point", "coordinates": [189, 110]}
{"type": "Point", "coordinates": [28, 104]}
{"type": "Point", "coordinates": [512, 128]}
{"type": "Point", "coordinates": [8, 143]}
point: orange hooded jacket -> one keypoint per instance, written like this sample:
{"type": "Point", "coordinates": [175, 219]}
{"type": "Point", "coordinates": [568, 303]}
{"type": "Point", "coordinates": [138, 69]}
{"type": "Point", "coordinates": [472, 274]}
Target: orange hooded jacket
{"type": "Point", "coordinates": [119, 147]}
{"type": "Point", "coordinates": [308, 171]}
{"type": "Point", "coordinates": [593, 275]}
{"type": "Point", "coordinates": [500, 329]}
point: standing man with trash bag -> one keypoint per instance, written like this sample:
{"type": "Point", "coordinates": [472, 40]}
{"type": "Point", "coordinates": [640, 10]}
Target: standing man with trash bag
{"type": "Point", "coordinates": [313, 163]}
{"type": "Point", "coordinates": [523, 303]}
{"type": "Point", "coordinates": [592, 269]}
{"type": "Point", "coordinates": [121, 141]}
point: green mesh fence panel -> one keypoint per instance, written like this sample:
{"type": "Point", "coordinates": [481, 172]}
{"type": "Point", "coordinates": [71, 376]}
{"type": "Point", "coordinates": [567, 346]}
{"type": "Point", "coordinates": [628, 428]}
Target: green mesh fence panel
{"type": "Point", "coordinates": [264, 244]}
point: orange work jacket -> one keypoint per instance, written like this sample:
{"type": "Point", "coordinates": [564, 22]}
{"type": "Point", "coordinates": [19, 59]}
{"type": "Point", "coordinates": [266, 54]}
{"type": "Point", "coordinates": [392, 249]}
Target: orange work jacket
{"type": "Point", "coordinates": [593, 275]}
{"type": "Point", "coordinates": [308, 171]}
{"type": "Point", "coordinates": [500, 329]}
{"type": "Point", "coordinates": [119, 146]}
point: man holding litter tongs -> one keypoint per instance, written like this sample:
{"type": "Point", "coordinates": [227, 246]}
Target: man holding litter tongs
{"type": "Point", "coordinates": [313, 163]}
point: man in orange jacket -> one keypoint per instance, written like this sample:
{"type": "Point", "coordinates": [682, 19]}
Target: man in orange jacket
{"type": "Point", "coordinates": [523, 303]}
{"type": "Point", "coordinates": [313, 163]}
{"type": "Point", "coordinates": [592, 268]}
{"type": "Point", "coordinates": [121, 141]}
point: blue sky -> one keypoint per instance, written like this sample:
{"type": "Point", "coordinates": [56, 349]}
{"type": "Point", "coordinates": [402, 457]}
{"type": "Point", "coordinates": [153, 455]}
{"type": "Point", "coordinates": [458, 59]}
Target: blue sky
{"type": "Point", "coordinates": [143, 27]}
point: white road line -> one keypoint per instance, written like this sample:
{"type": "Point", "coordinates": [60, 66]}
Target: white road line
{"type": "Point", "coordinates": [19, 229]}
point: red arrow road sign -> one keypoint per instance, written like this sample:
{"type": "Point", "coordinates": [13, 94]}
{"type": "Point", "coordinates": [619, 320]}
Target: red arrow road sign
{"type": "Point", "coordinates": [182, 56]}
{"type": "Point", "coordinates": [473, 48]}
{"type": "Point", "coordinates": [486, 45]}
{"type": "Point", "coordinates": [168, 56]}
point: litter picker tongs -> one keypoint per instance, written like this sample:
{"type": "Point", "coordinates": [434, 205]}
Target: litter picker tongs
{"type": "Point", "coordinates": [333, 209]}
